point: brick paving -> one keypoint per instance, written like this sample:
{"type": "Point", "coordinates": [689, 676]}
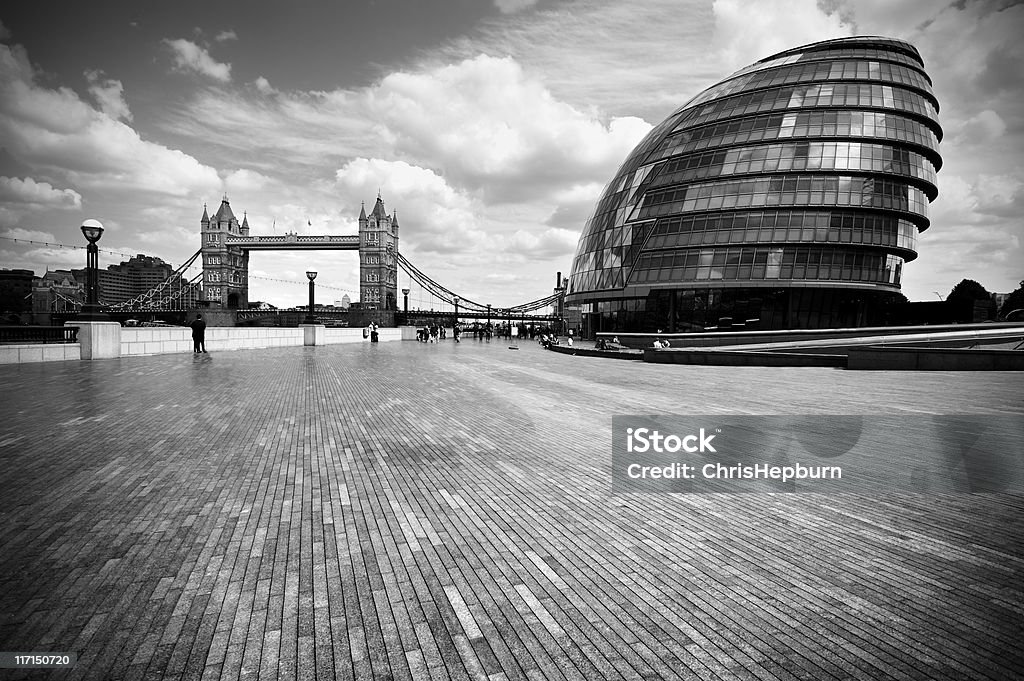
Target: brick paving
{"type": "Point", "coordinates": [443, 511]}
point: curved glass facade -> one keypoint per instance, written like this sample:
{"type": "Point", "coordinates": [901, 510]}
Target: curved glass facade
{"type": "Point", "coordinates": [787, 196]}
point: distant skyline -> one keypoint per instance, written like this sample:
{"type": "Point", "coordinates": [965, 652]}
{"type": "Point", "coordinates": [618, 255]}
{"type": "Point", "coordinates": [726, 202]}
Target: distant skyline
{"type": "Point", "coordinates": [491, 127]}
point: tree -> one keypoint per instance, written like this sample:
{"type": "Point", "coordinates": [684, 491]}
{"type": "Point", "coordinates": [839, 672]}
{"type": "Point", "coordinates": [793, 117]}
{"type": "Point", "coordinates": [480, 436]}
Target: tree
{"type": "Point", "coordinates": [968, 289]}
{"type": "Point", "coordinates": [1014, 301]}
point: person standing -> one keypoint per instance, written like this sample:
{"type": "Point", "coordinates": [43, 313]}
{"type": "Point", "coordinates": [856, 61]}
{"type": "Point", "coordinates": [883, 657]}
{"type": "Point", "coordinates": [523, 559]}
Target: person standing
{"type": "Point", "coordinates": [198, 334]}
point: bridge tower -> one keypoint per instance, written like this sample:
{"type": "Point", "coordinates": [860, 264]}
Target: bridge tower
{"type": "Point", "coordinates": [225, 268]}
{"type": "Point", "coordinates": [378, 266]}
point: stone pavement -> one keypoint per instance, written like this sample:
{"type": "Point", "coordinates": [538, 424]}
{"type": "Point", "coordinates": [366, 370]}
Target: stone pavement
{"type": "Point", "coordinates": [443, 511]}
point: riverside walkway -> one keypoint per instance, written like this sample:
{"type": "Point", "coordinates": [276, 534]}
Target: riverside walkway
{"type": "Point", "coordinates": [408, 510]}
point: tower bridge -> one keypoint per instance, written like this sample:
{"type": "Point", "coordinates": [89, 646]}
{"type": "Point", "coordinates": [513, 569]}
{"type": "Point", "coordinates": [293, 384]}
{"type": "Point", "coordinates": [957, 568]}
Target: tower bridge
{"type": "Point", "coordinates": [226, 245]}
{"type": "Point", "coordinates": [223, 281]}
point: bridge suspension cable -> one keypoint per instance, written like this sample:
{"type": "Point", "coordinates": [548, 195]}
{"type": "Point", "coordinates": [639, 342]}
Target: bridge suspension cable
{"type": "Point", "coordinates": [436, 289]}
{"type": "Point", "coordinates": [175, 290]}
{"type": "Point", "coordinates": [447, 296]}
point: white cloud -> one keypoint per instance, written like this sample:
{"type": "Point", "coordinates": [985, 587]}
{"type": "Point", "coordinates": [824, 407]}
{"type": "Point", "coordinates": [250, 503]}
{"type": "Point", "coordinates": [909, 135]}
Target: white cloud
{"type": "Point", "coordinates": [29, 235]}
{"type": "Point", "coordinates": [226, 35]}
{"type": "Point", "coordinates": [189, 56]}
{"type": "Point", "coordinates": [746, 32]}
{"type": "Point", "coordinates": [488, 125]}
{"type": "Point", "coordinates": [549, 244]}
{"type": "Point", "coordinates": [1000, 195]}
{"type": "Point", "coordinates": [513, 6]}
{"type": "Point", "coordinates": [264, 86]}
{"type": "Point", "coordinates": [28, 191]}
{"type": "Point", "coordinates": [246, 180]}
{"type": "Point", "coordinates": [433, 215]}
{"type": "Point", "coordinates": [55, 130]}
{"type": "Point", "coordinates": [637, 59]}
{"type": "Point", "coordinates": [109, 94]}
{"type": "Point", "coordinates": [985, 126]}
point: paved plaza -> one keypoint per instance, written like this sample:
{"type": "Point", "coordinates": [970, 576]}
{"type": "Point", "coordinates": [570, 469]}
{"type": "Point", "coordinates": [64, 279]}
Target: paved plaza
{"type": "Point", "coordinates": [408, 510]}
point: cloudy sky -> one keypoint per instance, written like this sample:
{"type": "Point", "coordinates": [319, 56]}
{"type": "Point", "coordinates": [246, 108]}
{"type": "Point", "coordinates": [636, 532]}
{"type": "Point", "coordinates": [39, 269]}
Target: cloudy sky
{"type": "Point", "coordinates": [491, 126]}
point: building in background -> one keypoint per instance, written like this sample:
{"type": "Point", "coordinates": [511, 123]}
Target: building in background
{"type": "Point", "coordinates": [56, 292]}
{"type": "Point", "coordinates": [787, 196]}
{"type": "Point", "coordinates": [131, 278]}
{"type": "Point", "coordinates": [16, 296]}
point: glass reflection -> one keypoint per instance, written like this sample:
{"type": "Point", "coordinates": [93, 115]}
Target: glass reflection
{"type": "Point", "coordinates": [785, 226]}
{"type": "Point", "coordinates": [867, 124]}
{"type": "Point", "coordinates": [760, 263]}
{"type": "Point", "coordinates": [806, 96]}
{"type": "Point", "coordinates": [796, 156]}
{"type": "Point", "coordinates": [788, 190]}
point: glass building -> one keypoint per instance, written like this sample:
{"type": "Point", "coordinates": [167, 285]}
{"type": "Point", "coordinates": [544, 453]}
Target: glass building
{"type": "Point", "coordinates": [787, 196]}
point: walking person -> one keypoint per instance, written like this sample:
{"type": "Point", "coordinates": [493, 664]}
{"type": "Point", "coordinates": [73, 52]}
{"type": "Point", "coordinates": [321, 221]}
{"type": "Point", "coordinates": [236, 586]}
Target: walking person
{"type": "Point", "coordinates": [198, 334]}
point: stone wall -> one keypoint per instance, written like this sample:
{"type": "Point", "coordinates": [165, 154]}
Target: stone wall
{"type": "Point", "coordinates": [155, 340]}
{"type": "Point", "coordinates": [39, 352]}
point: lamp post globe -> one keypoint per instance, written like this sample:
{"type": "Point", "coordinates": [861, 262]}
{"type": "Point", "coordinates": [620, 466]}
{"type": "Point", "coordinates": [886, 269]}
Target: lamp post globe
{"type": "Point", "coordinates": [92, 230]}
{"type": "Point", "coordinates": [310, 319]}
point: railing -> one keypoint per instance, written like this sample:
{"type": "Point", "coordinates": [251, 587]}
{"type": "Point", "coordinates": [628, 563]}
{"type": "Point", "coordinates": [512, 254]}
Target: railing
{"type": "Point", "coordinates": [38, 334]}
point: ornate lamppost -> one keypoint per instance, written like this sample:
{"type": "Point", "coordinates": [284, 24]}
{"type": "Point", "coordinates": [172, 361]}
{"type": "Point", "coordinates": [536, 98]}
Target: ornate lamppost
{"type": "Point", "coordinates": [310, 319]}
{"type": "Point", "coordinates": [405, 306]}
{"type": "Point", "coordinates": [93, 230]}
{"type": "Point", "coordinates": [456, 301]}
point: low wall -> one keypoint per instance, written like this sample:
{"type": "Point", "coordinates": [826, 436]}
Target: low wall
{"type": "Point", "coordinates": [22, 353]}
{"type": "Point", "coordinates": [158, 341]}
{"type": "Point", "coordinates": [883, 358]}
{"type": "Point", "coordinates": [163, 340]}
{"type": "Point", "coordinates": [591, 352]}
{"type": "Point", "coordinates": [147, 340]}
{"type": "Point", "coordinates": [748, 358]}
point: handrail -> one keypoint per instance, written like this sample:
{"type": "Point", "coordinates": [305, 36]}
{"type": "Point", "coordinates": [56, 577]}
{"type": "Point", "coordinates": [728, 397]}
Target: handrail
{"type": "Point", "coordinates": [38, 334]}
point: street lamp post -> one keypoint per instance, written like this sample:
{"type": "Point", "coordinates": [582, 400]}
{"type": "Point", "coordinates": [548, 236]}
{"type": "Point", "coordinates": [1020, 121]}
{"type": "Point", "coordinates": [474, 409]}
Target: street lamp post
{"type": "Point", "coordinates": [456, 301]}
{"type": "Point", "coordinates": [309, 316]}
{"type": "Point", "coordinates": [93, 230]}
{"type": "Point", "coordinates": [405, 305]}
